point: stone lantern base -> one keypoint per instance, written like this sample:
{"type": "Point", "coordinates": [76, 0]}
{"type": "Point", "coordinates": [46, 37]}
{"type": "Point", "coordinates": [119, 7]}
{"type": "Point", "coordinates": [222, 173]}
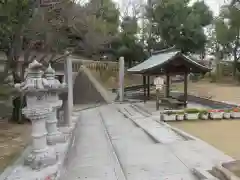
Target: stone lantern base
{"type": "Point", "coordinates": [55, 138]}
{"type": "Point", "coordinates": [39, 160]}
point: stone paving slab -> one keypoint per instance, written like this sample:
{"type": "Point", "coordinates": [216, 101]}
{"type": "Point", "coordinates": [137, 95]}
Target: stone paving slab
{"type": "Point", "coordinates": [163, 134]}
{"type": "Point", "coordinates": [92, 173]}
{"type": "Point", "coordinates": [156, 130]}
{"type": "Point", "coordinates": [91, 157]}
{"type": "Point", "coordinates": [136, 135]}
{"type": "Point", "coordinates": [142, 158]}
{"type": "Point", "coordinates": [198, 154]}
{"type": "Point", "coordinates": [151, 154]}
{"type": "Point", "coordinates": [145, 172]}
{"type": "Point", "coordinates": [186, 176]}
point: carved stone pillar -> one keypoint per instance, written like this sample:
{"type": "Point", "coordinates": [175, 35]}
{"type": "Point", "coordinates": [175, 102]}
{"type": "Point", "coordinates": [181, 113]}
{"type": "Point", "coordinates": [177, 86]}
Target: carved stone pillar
{"type": "Point", "coordinates": [41, 155]}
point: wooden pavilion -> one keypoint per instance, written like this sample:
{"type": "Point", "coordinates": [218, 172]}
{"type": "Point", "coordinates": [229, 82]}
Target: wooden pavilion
{"type": "Point", "coordinates": [168, 62]}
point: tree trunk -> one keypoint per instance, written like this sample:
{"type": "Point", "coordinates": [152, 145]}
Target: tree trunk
{"type": "Point", "coordinates": [235, 55]}
{"type": "Point", "coordinates": [235, 63]}
{"type": "Point", "coordinates": [16, 102]}
{"type": "Point", "coordinates": [129, 63]}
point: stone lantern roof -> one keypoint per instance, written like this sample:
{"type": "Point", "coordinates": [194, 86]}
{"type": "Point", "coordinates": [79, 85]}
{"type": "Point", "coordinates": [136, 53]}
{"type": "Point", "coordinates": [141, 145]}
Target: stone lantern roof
{"type": "Point", "coordinates": [50, 71]}
{"type": "Point", "coordinates": [34, 78]}
{"type": "Point", "coordinates": [34, 65]}
{"type": "Point", "coordinates": [50, 76]}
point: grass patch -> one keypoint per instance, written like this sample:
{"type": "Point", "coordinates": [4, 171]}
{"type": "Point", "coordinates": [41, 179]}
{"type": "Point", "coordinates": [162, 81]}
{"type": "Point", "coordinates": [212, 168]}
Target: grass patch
{"type": "Point", "coordinates": [5, 92]}
{"type": "Point", "coordinates": [13, 140]}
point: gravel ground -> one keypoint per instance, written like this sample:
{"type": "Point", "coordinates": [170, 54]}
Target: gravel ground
{"type": "Point", "coordinates": [224, 134]}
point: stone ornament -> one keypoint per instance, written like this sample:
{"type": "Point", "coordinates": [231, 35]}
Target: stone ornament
{"type": "Point", "coordinates": [50, 77]}
{"type": "Point", "coordinates": [35, 88]}
{"type": "Point", "coordinates": [34, 80]}
{"type": "Point", "coordinates": [54, 136]}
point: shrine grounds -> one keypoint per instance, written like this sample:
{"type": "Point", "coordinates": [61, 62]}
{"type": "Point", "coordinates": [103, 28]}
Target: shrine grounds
{"type": "Point", "coordinates": [221, 134]}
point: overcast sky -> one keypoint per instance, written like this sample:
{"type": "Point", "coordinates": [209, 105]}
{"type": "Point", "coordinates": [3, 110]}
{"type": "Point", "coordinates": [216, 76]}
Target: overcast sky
{"type": "Point", "coordinates": [213, 4]}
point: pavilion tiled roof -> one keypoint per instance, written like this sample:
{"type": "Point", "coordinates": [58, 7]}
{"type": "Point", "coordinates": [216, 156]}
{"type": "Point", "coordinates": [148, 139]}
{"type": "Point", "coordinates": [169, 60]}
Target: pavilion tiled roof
{"type": "Point", "coordinates": [161, 59]}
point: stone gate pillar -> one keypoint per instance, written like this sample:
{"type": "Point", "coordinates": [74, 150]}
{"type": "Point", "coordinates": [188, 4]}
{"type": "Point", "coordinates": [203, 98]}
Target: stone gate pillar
{"type": "Point", "coordinates": [121, 78]}
{"type": "Point", "coordinates": [37, 110]}
{"type": "Point", "coordinates": [69, 80]}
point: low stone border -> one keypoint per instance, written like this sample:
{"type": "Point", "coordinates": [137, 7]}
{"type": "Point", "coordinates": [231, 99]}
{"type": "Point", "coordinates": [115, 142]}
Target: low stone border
{"type": "Point", "coordinates": [202, 174]}
{"type": "Point", "coordinates": [223, 173]}
{"type": "Point", "coordinates": [180, 132]}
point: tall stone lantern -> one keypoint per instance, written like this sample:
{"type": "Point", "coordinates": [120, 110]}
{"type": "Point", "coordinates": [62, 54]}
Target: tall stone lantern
{"type": "Point", "coordinates": [35, 88]}
{"type": "Point", "coordinates": [54, 136]}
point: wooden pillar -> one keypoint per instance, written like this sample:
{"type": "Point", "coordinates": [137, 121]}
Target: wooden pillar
{"type": "Point", "coordinates": [167, 85]}
{"type": "Point", "coordinates": [148, 87]}
{"type": "Point", "coordinates": [144, 86]}
{"type": "Point", "coordinates": [185, 88]}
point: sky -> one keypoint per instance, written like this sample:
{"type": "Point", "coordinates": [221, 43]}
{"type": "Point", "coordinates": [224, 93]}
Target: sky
{"type": "Point", "coordinates": [213, 4]}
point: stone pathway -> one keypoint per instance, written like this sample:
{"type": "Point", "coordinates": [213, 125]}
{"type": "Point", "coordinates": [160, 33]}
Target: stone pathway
{"type": "Point", "coordinates": [91, 156]}
{"type": "Point", "coordinates": [140, 156]}
{"type": "Point", "coordinates": [157, 131]}
{"type": "Point", "coordinates": [113, 145]}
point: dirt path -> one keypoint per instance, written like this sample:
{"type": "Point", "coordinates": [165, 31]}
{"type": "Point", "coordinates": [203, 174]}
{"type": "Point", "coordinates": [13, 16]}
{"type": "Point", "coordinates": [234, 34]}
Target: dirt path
{"type": "Point", "coordinates": [13, 139]}
{"type": "Point", "coordinates": [224, 135]}
{"type": "Point", "coordinates": [220, 92]}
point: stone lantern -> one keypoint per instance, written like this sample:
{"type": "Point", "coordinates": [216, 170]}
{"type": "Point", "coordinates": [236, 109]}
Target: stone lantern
{"type": "Point", "coordinates": [54, 136]}
{"type": "Point", "coordinates": [35, 87]}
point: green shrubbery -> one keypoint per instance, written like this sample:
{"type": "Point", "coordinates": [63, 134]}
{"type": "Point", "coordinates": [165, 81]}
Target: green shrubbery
{"type": "Point", "coordinates": [191, 111]}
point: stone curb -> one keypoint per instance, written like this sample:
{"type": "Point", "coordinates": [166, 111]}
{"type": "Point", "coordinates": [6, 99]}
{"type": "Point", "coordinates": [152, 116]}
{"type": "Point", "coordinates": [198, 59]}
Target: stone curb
{"type": "Point", "coordinates": [224, 173]}
{"type": "Point", "coordinates": [202, 174]}
{"type": "Point", "coordinates": [97, 85]}
{"type": "Point", "coordinates": [180, 132]}
{"type": "Point", "coordinates": [69, 145]}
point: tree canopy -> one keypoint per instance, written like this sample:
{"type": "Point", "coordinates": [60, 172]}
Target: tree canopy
{"type": "Point", "coordinates": [178, 24]}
